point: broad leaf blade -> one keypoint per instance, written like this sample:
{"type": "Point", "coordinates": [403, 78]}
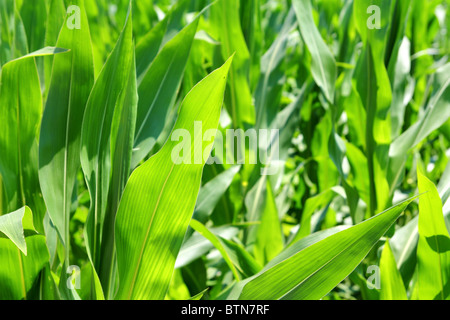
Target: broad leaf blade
{"type": "Point", "coordinates": [269, 239]}
{"type": "Point", "coordinates": [59, 145]}
{"type": "Point", "coordinates": [391, 283]}
{"type": "Point", "coordinates": [19, 273]}
{"type": "Point", "coordinates": [227, 26]}
{"type": "Point", "coordinates": [433, 251]}
{"type": "Point", "coordinates": [107, 95]}
{"type": "Point", "coordinates": [323, 66]}
{"type": "Point", "coordinates": [20, 114]}
{"type": "Point", "coordinates": [158, 90]}
{"type": "Point", "coordinates": [315, 270]}
{"type": "Point", "coordinates": [153, 217]}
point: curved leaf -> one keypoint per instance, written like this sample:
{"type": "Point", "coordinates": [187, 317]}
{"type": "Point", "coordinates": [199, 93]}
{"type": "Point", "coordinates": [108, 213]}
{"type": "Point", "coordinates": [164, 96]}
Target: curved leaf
{"type": "Point", "coordinates": [20, 114]}
{"type": "Point", "coordinates": [14, 224]}
{"type": "Point", "coordinates": [59, 145]}
{"type": "Point", "coordinates": [158, 90]}
{"type": "Point", "coordinates": [433, 250]}
{"type": "Point", "coordinates": [153, 216]}
{"type": "Point", "coordinates": [391, 283]}
{"type": "Point", "coordinates": [106, 98]}
{"type": "Point", "coordinates": [312, 272]}
{"type": "Point", "coordinates": [323, 67]}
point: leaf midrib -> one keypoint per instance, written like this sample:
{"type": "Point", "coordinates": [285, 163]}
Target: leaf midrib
{"type": "Point", "coordinates": [144, 244]}
{"type": "Point", "coordinates": [335, 257]}
{"type": "Point", "coordinates": [141, 253]}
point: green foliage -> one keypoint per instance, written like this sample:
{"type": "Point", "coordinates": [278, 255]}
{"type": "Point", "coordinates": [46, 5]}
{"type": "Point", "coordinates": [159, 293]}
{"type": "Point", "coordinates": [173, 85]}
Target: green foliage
{"type": "Point", "coordinates": [122, 175]}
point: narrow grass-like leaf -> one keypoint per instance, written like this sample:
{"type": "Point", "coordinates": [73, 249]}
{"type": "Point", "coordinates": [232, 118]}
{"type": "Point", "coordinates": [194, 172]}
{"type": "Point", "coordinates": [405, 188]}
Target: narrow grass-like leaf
{"type": "Point", "coordinates": [433, 251]}
{"type": "Point", "coordinates": [153, 216]}
{"type": "Point", "coordinates": [196, 245]}
{"type": "Point", "coordinates": [150, 45]}
{"type": "Point", "coordinates": [20, 273]}
{"type": "Point", "coordinates": [311, 205]}
{"type": "Point", "coordinates": [323, 67]}
{"type": "Point", "coordinates": [436, 114]}
{"type": "Point", "coordinates": [122, 146]}
{"type": "Point", "coordinates": [158, 90]}
{"type": "Point", "coordinates": [211, 193]}
{"type": "Point", "coordinates": [59, 145]}
{"type": "Point", "coordinates": [23, 254]}
{"type": "Point", "coordinates": [314, 271]}
{"type": "Point", "coordinates": [269, 239]}
{"type": "Point", "coordinates": [391, 283]}
{"type": "Point", "coordinates": [269, 89]}
{"type": "Point", "coordinates": [200, 295]}
{"type": "Point", "coordinates": [34, 18]}
{"type": "Point", "coordinates": [404, 247]}
{"type": "Point", "coordinates": [55, 19]}
{"type": "Point", "coordinates": [227, 26]}
{"type": "Point", "coordinates": [107, 94]}
{"type": "Point", "coordinates": [216, 241]}
{"type": "Point", "coordinates": [20, 114]}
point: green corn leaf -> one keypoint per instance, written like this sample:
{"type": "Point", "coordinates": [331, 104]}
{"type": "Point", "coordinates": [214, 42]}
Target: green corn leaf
{"type": "Point", "coordinates": [391, 283]}
{"type": "Point", "coordinates": [269, 89]}
{"type": "Point", "coordinates": [358, 162]}
{"type": "Point", "coordinates": [14, 225]}
{"type": "Point", "coordinates": [150, 45]}
{"type": "Point", "coordinates": [158, 90]}
{"type": "Point", "coordinates": [211, 193]}
{"type": "Point", "coordinates": [218, 244]}
{"type": "Point", "coordinates": [20, 114]}
{"type": "Point", "coordinates": [374, 88]}
{"type": "Point", "coordinates": [20, 273]}
{"type": "Point", "coordinates": [404, 242]}
{"type": "Point", "coordinates": [433, 251]}
{"type": "Point", "coordinates": [436, 114]}
{"type": "Point", "coordinates": [227, 28]}
{"type": "Point", "coordinates": [153, 217]}
{"type": "Point", "coordinates": [323, 66]}
{"type": "Point", "coordinates": [199, 296]}
{"type": "Point", "coordinates": [297, 246]}
{"type": "Point", "coordinates": [287, 253]}
{"type": "Point", "coordinates": [402, 84]}
{"type": "Point", "coordinates": [240, 262]}
{"type": "Point", "coordinates": [404, 247]}
{"type": "Point", "coordinates": [55, 19]}
{"type": "Point", "coordinates": [13, 38]}
{"type": "Point", "coordinates": [23, 254]}
{"type": "Point", "coordinates": [59, 145]}
{"type": "Point", "coordinates": [196, 245]}
{"type": "Point", "coordinates": [269, 239]}
{"type": "Point", "coordinates": [6, 34]}
{"type": "Point", "coordinates": [245, 263]}
{"type": "Point", "coordinates": [250, 12]}
{"type": "Point", "coordinates": [48, 289]}
{"type": "Point", "coordinates": [2, 207]}
{"type": "Point", "coordinates": [444, 184]}
{"type": "Point", "coordinates": [312, 272]}
{"type": "Point", "coordinates": [34, 18]}
{"type": "Point", "coordinates": [20, 45]}
{"type": "Point", "coordinates": [311, 205]}
{"type": "Point", "coordinates": [121, 151]}
{"type": "Point", "coordinates": [107, 96]}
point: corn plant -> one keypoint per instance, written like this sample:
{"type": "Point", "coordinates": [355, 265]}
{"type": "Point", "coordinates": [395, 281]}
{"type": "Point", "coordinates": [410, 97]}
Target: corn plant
{"type": "Point", "coordinates": [227, 149]}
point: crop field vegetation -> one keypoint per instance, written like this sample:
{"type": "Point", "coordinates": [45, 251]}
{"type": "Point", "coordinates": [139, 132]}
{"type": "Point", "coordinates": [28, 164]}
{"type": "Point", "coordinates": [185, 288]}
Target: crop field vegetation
{"type": "Point", "coordinates": [224, 150]}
